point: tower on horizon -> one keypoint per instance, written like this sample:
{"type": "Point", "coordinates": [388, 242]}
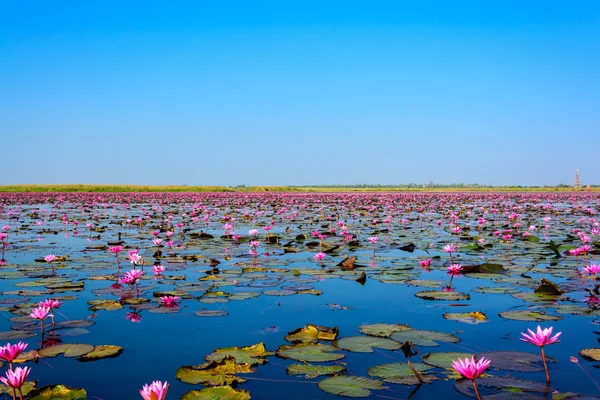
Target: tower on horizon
{"type": "Point", "coordinates": [577, 182]}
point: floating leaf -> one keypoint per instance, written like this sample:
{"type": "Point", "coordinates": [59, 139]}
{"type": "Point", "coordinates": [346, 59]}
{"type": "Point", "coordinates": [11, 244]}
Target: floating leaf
{"type": "Point", "coordinates": [311, 334]}
{"type": "Point", "coordinates": [382, 330]}
{"type": "Point", "coordinates": [312, 371]}
{"type": "Point", "coordinates": [102, 351]}
{"type": "Point", "coordinates": [515, 360]}
{"type": "Point", "coordinates": [57, 392]}
{"type": "Point", "coordinates": [526, 315]}
{"type": "Point", "coordinates": [211, 313]}
{"type": "Point", "coordinates": [350, 386]}
{"type": "Point", "coordinates": [253, 355]}
{"type": "Point", "coordinates": [310, 352]}
{"type": "Point", "coordinates": [439, 295]}
{"type": "Point", "coordinates": [365, 344]}
{"type": "Point", "coordinates": [424, 338]}
{"type": "Point", "coordinates": [401, 373]}
{"type": "Point", "coordinates": [503, 388]}
{"type": "Point", "coordinates": [69, 350]}
{"type": "Point", "coordinates": [590, 354]}
{"type": "Point", "coordinates": [217, 393]}
{"type": "Point", "coordinates": [444, 359]}
{"type": "Point", "coordinates": [473, 317]}
{"type": "Point", "coordinates": [214, 373]}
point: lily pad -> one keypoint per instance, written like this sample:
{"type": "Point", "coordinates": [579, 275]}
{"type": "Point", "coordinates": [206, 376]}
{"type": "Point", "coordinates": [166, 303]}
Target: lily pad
{"type": "Point", "coordinates": [503, 388]}
{"type": "Point", "coordinates": [310, 352]}
{"type": "Point", "coordinates": [424, 338]}
{"type": "Point", "coordinates": [440, 295]}
{"type": "Point", "coordinates": [217, 393]}
{"type": "Point", "coordinates": [590, 354]}
{"type": "Point", "coordinates": [252, 355]}
{"type": "Point", "coordinates": [401, 373]}
{"type": "Point", "coordinates": [515, 360]}
{"type": "Point", "coordinates": [57, 392]}
{"type": "Point", "coordinates": [382, 330]}
{"type": "Point", "coordinates": [69, 350]}
{"type": "Point", "coordinates": [214, 373]}
{"type": "Point", "coordinates": [350, 386]}
{"type": "Point", "coordinates": [365, 344]}
{"type": "Point", "coordinates": [443, 359]}
{"type": "Point", "coordinates": [311, 334]}
{"type": "Point", "coordinates": [102, 351]}
{"type": "Point", "coordinates": [312, 371]}
{"type": "Point", "coordinates": [473, 317]}
{"type": "Point", "coordinates": [526, 315]}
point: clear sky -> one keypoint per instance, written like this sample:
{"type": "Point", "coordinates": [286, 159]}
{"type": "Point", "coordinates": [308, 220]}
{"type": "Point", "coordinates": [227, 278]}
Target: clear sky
{"type": "Point", "coordinates": [299, 92]}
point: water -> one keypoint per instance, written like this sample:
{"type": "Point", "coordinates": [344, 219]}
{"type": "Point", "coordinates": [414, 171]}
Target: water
{"type": "Point", "coordinates": [161, 343]}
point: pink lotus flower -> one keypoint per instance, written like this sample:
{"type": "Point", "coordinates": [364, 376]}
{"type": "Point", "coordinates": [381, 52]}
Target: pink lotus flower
{"type": "Point", "coordinates": [454, 270]}
{"type": "Point", "coordinates": [131, 277]}
{"type": "Point", "coordinates": [157, 242]}
{"type": "Point", "coordinates": [169, 301]}
{"type": "Point", "coordinates": [469, 368]}
{"type": "Point", "coordinates": [425, 263]}
{"type": "Point", "coordinates": [50, 303]}
{"type": "Point", "coordinates": [254, 243]}
{"type": "Point", "coordinates": [373, 239]}
{"type": "Point", "coordinates": [9, 351]}
{"type": "Point", "coordinates": [133, 317]}
{"type": "Point", "coordinates": [320, 256]}
{"type": "Point", "coordinates": [592, 269]}
{"type": "Point", "coordinates": [50, 258]}
{"type": "Point", "coordinates": [156, 391]}
{"type": "Point", "coordinates": [158, 269]}
{"type": "Point", "coordinates": [116, 249]}
{"type": "Point", "coordinates": [541, 337]}
{"type": "Point", "coordinates": [15, 379]}
{"type": "Point", "coordinates": [450, 248]}
{"type": "Point", "coordinates": [40, 312]}
{"type": "Point", "coordinates": [253, 232]}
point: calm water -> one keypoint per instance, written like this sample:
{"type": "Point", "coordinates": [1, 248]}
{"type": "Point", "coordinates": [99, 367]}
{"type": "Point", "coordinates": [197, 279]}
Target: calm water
{"type": "Point", "coordinates": [162, 342]}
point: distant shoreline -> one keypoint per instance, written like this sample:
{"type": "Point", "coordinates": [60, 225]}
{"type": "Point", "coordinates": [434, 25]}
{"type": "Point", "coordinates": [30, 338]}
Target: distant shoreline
{"type": "Point", "coordinates": [275, 189]}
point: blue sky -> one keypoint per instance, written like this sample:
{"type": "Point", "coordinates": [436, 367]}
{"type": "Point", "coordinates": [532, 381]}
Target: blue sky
{"type": "Point", "coordinates": [299, 92]}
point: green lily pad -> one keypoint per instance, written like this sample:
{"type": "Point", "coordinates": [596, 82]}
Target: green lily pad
{"type": "Point", "coordinates": [515, 360]}
{"type": "Point", "coordinates": [526, 315]}
{"type": "Point", "coordinates": [253, 355]}
{"type": "Point", "coordinates": [311, 334]}
{"type": "Point", "coordinates": [57, 392]}
{"type": "Point", "coordinates": [312, 371]}
{"type": "Point", "coordinates": [69, 350]}
{"type": "Point", "coordinates": [424, 338]}
{"type": "Point", "coordinates": [440, 295]}
{"type": "Point", "coordinates": [473, 317]}
{"type": "Point", "coordinates": [365, 344]}
{"type": "Point", "coordinates": [590, 354]}
{"type": "Point", "coordinates": [310, 352]}
{"type": "Point", "coordinates": [443, 359]}
{"type": "Point", "coordinates": [26, 388]}
{"type": "Point", "coordinates": [350, 386]}
{"type": "Point", "coordinates": [382, 330]}
{"type": "Point", "coordinates": [102, 351]}
{"type": "Point", "coordinates": [217, 393]}
{"type": "Point", "coordinates": [401, 373]}
{"type": "Point", "coordinates": [503, 388]}
{"type": "Point", "coordinates": [214, 373]}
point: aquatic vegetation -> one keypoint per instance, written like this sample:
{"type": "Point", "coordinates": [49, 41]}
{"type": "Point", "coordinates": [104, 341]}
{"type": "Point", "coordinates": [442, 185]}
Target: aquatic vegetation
{"type": "Point", "coordinates": [244, 273]}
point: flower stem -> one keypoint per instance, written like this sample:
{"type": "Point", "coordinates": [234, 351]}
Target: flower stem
{"type": "Point", "coordinates": [545, 366]}
{"type": "Point", "coordinates": [476, 391]}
